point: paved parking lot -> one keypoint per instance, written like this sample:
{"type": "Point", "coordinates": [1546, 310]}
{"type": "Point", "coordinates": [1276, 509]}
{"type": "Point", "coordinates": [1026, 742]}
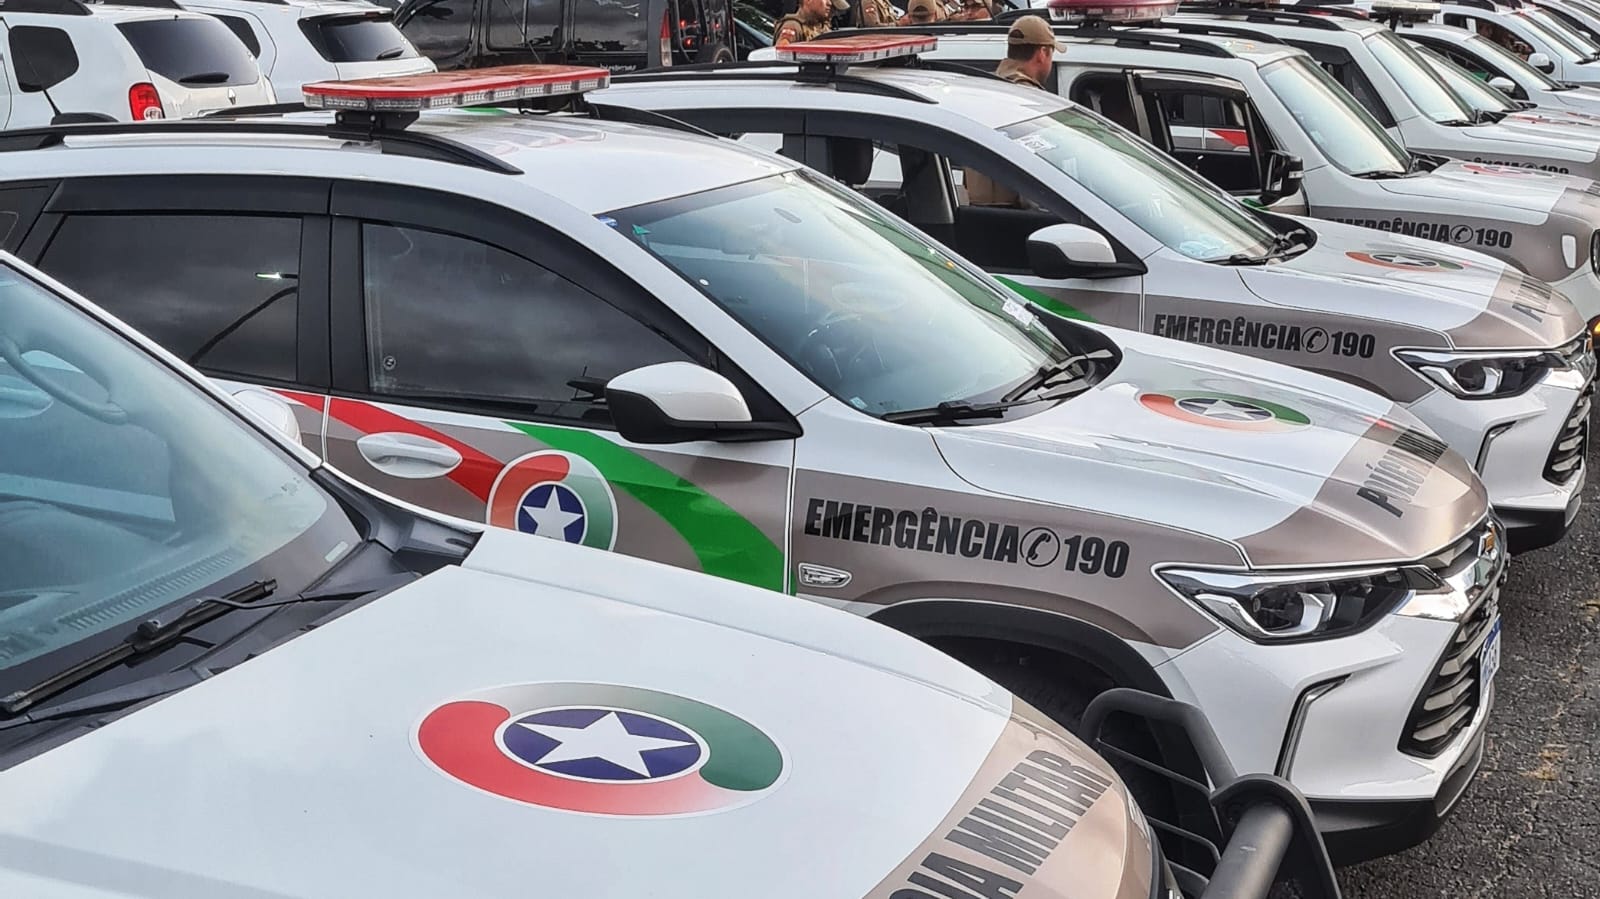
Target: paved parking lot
{"type": "Point", "coordinates": [1530, 826]}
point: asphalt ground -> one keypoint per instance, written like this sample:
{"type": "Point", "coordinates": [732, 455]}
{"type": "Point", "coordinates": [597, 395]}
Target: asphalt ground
{"type": "Point", "coordinates": [1529, 826]}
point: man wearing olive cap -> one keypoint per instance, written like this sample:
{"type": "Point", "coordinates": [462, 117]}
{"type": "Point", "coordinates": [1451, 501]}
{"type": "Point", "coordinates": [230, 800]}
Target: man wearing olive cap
{"type": "Point", "coordinates": [1030, 54]}
{"type": "Point", "coordinates": [810, 21]}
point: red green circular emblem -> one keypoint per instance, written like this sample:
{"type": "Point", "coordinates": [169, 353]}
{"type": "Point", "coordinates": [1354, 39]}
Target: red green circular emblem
{"type": "Point", "coordinates": [557, 495]}
{"type": "Point", "coordinates": [1225, 410]}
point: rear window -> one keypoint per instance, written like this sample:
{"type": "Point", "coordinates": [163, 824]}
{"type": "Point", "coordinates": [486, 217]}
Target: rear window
{"type": "Point", "coordinates": [356, 38]}
{"type": "Point", "coordinates": [192, 52]}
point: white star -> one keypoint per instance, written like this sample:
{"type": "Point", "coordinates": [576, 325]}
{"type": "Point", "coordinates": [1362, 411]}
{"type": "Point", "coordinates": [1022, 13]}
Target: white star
{"type": "Point", "coordinates": [1231, 411]}
{"type": "Point", "coordinates": [550, 520]}
{"type": "Point", "coordinates": [605, 738]}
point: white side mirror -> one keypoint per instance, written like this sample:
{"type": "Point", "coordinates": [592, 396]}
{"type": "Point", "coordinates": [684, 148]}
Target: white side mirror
{"type": "Point", "coordinates": [1541, 62]}
{"type": "Point", "coordinates": [275, 413]}
{"type": "Point", "coordinates": [1503, 84]}
{"type": "Point", "coordinates": [1074, 251]}
{"type": "Point", "coordinates": [674, 402]}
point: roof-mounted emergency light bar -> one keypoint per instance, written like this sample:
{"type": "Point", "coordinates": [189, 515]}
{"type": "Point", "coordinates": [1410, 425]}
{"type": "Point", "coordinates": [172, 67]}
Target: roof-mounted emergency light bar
{"type": "Point", "coordinates": [392, 103]}
{"type": "Point", "coordinates": [1404, 10]}
{"type": "Point", "coordinates": [838, 52]}
{"type": "Point", "coordinates": [1110, 12]}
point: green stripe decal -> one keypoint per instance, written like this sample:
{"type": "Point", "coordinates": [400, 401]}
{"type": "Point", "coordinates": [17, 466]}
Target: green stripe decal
{"type": "Point", "coordinates": [726, 543]}
{"type": "Point", "coordinates": [1044, 300]}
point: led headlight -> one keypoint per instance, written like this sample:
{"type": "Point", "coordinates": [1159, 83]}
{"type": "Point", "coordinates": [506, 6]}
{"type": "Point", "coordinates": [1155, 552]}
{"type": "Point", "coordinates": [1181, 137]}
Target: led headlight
{"type": "Point", "coordinates": [1301, 605]}
{"type": "Point", "coordinates": [1482, 376]}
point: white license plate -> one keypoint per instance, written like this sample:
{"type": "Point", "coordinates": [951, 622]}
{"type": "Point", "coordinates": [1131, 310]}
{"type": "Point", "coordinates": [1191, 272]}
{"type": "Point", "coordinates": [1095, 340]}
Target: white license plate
{"type": "Point", "coordinates": [1489, 663]}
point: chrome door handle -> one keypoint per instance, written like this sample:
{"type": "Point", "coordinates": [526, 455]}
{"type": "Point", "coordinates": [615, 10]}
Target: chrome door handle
{"type": "Point", "coordinates": [405, 455]}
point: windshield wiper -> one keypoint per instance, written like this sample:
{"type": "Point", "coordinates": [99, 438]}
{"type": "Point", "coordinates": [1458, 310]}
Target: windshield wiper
{"type": "Point", "coordinates": [1280, 248]}
{"type": "Point", "coordinates": [173, 681]}
{"type": "Point", "coordinates": [204, 78]}
{"type": "Point", "coordinates": [148, 636]}
{"type": "Point", "coordinates": [1050, 375]}
{"type": "Point", "coordinates": [1487, 117]}
{"type": "Point", "coordinates": [1457, 123]}
{"type": "Point", "coordinates": [951, 411]}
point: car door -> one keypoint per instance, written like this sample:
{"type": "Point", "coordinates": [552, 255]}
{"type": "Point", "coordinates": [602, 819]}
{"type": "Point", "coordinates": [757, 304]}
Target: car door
{"type": "Point", "coordinates": [227, 273]}
{"type": "Point", "coordinates": [472, 346]}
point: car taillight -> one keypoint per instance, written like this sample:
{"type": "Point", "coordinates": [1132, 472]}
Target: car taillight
{"type": "Point", "coordinates": [666, 38]}
{"type": "Point", "coordinates": [145, 103]}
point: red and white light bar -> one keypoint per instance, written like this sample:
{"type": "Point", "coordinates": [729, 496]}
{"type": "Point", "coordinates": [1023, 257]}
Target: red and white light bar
{"type": "Point", "coordinates": [449, 90]}
{"type": "Point", "coordinates": [1116, 11]}
{"type": "Point", "coordinates": [856, 48]}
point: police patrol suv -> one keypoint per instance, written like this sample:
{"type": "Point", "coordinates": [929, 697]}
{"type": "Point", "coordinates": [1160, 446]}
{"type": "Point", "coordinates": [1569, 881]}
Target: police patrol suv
{"type": "Point", "coordinates": [651, 341]}
{"type": "Point", "coordinates": [203, 624]}
{"type": "Point", "coordinates": [1265, 109]}
{"type": "Point", "coordinates": [1499, 67]}
{"type": "Point", "coordinates": [1156, 249]}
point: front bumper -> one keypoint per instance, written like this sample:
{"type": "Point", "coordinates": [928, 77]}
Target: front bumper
{"type": "Point", "coordinates": [1381, 729]}
{"type": "Point", "coordinates": [1523, 448]}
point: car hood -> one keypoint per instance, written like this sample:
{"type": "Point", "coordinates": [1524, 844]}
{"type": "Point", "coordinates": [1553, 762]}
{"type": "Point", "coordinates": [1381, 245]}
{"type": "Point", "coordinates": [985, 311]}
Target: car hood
{"type": "Point", "coordinates": [1578, 147]}
{"type": "Point", "coordinates": [367, 758]}
{"type": "Point", "coordinates": [1543, 120]}
{"type": "Point", "coordinates": [1294, 468]}
{"type": "Point", "coordinates": [1477, 301]}
{"type": "Point", "coordinates": [1586, 99]}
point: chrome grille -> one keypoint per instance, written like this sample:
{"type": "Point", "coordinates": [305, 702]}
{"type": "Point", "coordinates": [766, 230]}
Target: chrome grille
{"type": "Point", "coordinates": [1566, 454]}
{"type": "Point", "coordinates": [1454, 693]}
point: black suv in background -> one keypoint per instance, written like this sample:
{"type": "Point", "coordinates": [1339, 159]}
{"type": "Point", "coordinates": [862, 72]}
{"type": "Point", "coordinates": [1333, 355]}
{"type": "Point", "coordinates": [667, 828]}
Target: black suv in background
{"type": "Point", "coordinates": [621, 35]}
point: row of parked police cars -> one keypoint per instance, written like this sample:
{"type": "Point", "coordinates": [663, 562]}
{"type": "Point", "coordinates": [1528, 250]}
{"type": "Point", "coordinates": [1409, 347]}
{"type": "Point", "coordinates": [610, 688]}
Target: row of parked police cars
{"type": "Point", "coordinates": [1172, 498]}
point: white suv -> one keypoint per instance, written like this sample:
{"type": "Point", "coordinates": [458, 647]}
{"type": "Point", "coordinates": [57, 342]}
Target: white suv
{"type": "Point", "coordinates": [60, 57]}
{"type": "Point", "coordinates": [195, 63]}
{"type": "Point", "coordinates": [300, 41]}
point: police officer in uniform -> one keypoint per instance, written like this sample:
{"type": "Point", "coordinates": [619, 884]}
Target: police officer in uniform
{"type": "Point", "coordinates": [876, 14]}
{"type": "Point", "coordinates": [810, 21]}
{"type": "Point", "coordinates": [1030, 55]}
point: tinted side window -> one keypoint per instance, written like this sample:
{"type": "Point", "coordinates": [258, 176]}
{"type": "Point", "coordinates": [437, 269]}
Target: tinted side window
{"type": "Point", "coordinates": [461, 321]}
{"type": "Point", "coordinates": [242, 30]}
{"type": "Point", "coordinates": [216, 290]}
{"type": "Point", "coordinates": [192, 52]}
{"type": "Point", "coordinates": [43, 57]}
{"type": "Point", "coordinates": [609, 26]}
{"type": "Point", "coordinates": [441, 30]}
{"type": "Point", "coordinates": [523, 24]}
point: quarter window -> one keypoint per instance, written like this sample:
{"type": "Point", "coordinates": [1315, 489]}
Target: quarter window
{"type": "Point", "coordinates": [466, 323]}
{"type": "Point", "coordinates": [219, 291]}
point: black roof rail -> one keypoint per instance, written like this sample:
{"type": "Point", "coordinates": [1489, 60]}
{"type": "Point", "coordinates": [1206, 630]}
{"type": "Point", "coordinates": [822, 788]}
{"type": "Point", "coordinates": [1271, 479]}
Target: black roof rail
{"type": "Point", "coordinates": [45, 7]}
{"type": "Point", "coordinates": [264, 109]}
{"type": "Point", "coordinates": [394, 142]}
{"type": "Point", "coordinates": [1479, 4]}
{"type": "Point", "coordinates": [634, 116]}
{"type": "Point", "coordinates": [158, 4]}
{"type": "Point", "coordinates": [1131, 35]}
{"type": "Point", "coordinates": [1210, 30]}
{"type": "Point", "coordinates": [1261, 16]}
{"type": "Point", "coordinates": [751, 71]}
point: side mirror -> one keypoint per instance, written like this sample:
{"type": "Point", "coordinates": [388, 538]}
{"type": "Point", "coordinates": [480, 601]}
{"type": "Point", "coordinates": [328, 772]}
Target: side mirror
{"type": "Point", "coordinates": [271, 411]}
{"type": "Point", "coordinates": [1541, 62]}
{"type": "Point", "coordinates": [676, 402]}
{"type": "Point", "coordinates": [1503, 84]}
{"type": "Point", "coordinates": [1282, 177]}
{"type": "Point", "coordinates": [1074, 251]}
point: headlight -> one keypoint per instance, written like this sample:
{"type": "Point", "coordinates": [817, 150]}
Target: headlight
{"type": "Point", "coordinates": [1302, 605]}
{"type": "Point", "coordinates": [1481, 376]}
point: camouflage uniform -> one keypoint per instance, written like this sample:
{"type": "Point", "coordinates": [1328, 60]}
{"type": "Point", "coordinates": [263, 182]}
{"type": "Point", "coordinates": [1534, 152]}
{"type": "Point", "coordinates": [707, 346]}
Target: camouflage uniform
{"type": "Point", "coordinates": [794, 27]}
{"type": "Point", "coordinates": [876, 13]}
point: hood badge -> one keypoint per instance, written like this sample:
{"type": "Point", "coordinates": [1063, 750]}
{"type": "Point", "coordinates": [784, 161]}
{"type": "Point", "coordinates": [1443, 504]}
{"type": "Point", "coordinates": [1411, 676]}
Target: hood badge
{"type": "Point", "coordinates": [822, 576]}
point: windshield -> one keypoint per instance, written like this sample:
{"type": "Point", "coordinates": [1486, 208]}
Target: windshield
{"type": "Point", "coordinates": [359, 38]}
{"type": "Point", "coordinates": [1568, 35]}
{"type": "Point", "coordinates": [1344, 131]}
{"type": "Point", "coordinates": [1480, 96]}
{"type": "Point", "coordinates": [1560, 43]}
{"type": "Point", "coordinates": [1169, 202]}
{"type": "Point", "coordinates": [868, 309]}
{"type": "Point", "coordinates": [123, 488]}
{"type": "Point", "coordinates": [1416, 80]}
{"type": "Point", "coordinates": [1512, 64]}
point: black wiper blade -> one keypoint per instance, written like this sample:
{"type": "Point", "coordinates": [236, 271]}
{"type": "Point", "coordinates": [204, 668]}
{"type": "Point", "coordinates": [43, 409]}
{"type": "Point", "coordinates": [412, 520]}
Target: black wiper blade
{"type": "Point", "coordinates": [1457, 123]}
{"type": "Point", "coordinates": [1383, 174]}
{"type": "Point", "coordinates": [173, 681]}
{"type": "Point", "coordinates": [1071, 367]}
{"type": "Point", "coordinates": [149, 635]}
{"type": "Point", "coordinates": [949, 410]}
{"type": "Point", "coordinates": [1488, 117]}
{"type": "Point", "coordinates": [204, 78]}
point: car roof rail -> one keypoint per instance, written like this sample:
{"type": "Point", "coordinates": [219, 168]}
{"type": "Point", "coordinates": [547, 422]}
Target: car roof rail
{"type": "Point", "coordinates": [1129, 35]}
{"type": "Point", "coordinates": [1478, 4]}
{"type": "Point", "coordinates": [753, 71]}
{"type": "Point", "coordinates": [1211, 30]}
{"type": "Point", "coordinates": [157, 4]}
{"type": "Point", "coordinates": [1259, 15]}
{"type": "Point", "coordinates": [45, 7]}
{"type": "Point", "coordinates": [390, 141]}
